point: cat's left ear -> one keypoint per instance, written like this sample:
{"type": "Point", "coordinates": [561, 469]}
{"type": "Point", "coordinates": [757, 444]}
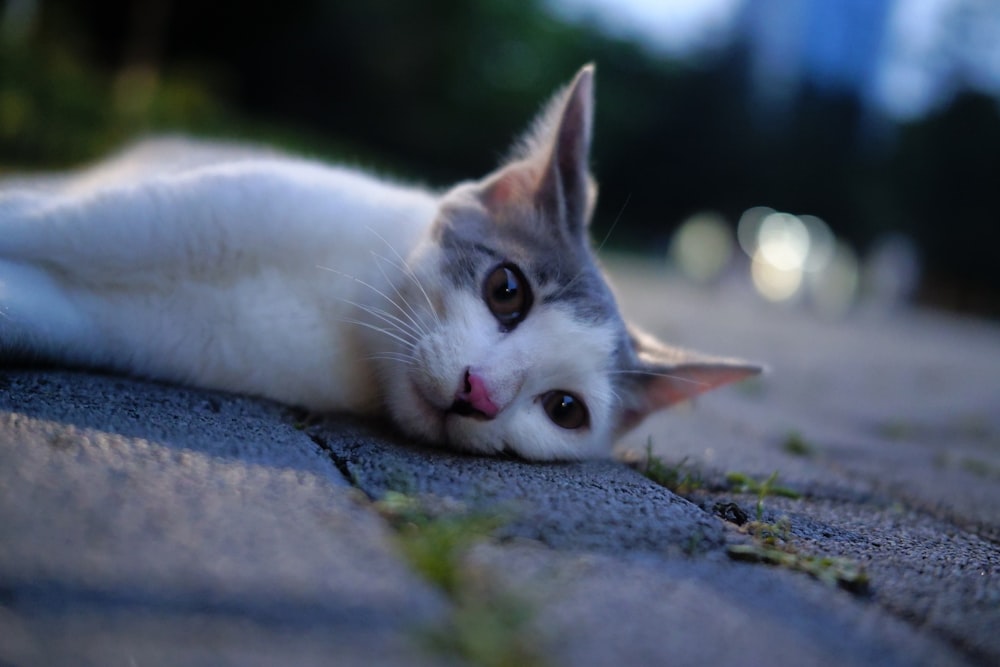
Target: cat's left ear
{"type": "Point", "coordinates": [665, 375]}
{"type": "Point", "coordinates": [550, 169]}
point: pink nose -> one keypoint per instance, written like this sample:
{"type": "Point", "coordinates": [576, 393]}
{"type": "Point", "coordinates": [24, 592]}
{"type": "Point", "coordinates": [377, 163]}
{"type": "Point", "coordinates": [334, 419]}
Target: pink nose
{"type": "Point", "coordinates": [474, 393]}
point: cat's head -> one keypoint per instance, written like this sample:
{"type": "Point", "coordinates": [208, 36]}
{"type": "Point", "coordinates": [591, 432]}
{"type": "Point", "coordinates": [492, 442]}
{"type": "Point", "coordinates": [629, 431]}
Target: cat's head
{"type": "Point", "coordinates": [518, 343]}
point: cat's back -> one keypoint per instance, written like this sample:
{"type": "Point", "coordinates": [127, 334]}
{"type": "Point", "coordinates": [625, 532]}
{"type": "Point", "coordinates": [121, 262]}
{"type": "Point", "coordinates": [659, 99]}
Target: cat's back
{"type": "Point", "coordinates": [213, 190]}
{"type": "Point", "coordinates": [168, 155]}
{"type": "Point", "coordinates": [178, 158]}
{"type": "Point", "coordinates": [139, 161]}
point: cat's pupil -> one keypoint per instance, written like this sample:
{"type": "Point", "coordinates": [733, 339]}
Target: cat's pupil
{"type": "Point", "coordinates": [565, 410]}
{"type": "Point", "coordinates": [507, 295]}
{"type": "Point", "coordinates": [508, 289]}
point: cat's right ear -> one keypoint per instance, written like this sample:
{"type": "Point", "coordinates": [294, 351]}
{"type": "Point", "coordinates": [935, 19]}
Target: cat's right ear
{"type": "Point", "coordinates": [663, 375]}
{"type": "Point", "coordinates": [549, 170]}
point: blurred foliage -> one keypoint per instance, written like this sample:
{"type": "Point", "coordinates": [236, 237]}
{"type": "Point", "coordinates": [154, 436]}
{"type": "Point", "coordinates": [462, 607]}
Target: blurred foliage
{"type": "Point", "coordinates": [434, 91]}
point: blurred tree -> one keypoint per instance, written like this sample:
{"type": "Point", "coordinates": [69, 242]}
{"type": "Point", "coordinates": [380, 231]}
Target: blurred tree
{"type": "Point", "coordinates": [945, 175]}
{"type": "Point", "coordinates": [436, 90]}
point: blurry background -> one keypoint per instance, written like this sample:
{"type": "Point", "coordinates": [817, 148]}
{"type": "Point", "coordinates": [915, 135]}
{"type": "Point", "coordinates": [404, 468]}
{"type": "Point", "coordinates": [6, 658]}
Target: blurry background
{"type": "Point", "coordinates": [826, 152]}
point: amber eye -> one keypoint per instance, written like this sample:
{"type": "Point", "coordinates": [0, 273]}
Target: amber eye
{"type": "Point", "coordinates": [565, 409]}
{"type": "Point", "coordinates": [507, 295]}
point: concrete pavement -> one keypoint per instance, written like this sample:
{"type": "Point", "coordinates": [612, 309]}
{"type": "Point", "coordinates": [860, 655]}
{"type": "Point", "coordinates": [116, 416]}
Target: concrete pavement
{"type": "Point", "coordinates": [146, 524]}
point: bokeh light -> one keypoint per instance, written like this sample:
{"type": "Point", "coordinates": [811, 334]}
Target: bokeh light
{"type": "Point", "coordinates": [822, 243]}
{"type": "Point", "coordinates": [782, 242]}
{"type": "Point", "coordinates": [749, 225]}
{"type": "Point", "coordinates": [834, 289]}
{"type": "Point", "coordinates": [774, 283]}
{"type": "Point", "coordinates": [794, 256]}
{"type": "Point", "coordinates": [702, 247]}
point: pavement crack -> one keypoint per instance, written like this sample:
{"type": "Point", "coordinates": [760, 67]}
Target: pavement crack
{"type": "Point", "coordinates": [339, 461]}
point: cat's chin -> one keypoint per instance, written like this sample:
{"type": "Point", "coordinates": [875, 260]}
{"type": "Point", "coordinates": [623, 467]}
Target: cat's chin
{"type": "Point", "coordinates": [447, 428]}
{"type": "Point", "coordinates": [421, 418]}
{"type": "Point", "coordinates": [443, 427]}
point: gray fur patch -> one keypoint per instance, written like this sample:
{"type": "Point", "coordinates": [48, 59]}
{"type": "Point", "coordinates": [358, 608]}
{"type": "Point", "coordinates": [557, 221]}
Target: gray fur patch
{"type": "Point", "coordinates": [587, 295]}
{"type": "Point", "coordinates": [562, 269]}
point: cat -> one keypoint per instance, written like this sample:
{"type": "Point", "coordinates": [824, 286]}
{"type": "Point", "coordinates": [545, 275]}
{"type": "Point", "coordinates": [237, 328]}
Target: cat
{"type": "Point", "coordinates": [476, 318]}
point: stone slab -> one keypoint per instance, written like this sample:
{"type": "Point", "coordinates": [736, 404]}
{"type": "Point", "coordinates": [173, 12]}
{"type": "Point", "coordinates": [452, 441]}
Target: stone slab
{"type": "Point", "coordinates": [145, 524]}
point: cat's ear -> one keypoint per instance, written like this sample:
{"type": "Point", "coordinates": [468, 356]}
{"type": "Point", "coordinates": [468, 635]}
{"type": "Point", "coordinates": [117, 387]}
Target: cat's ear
{"type": "Point", "coordinates": [549, 169]}
{"type": "Point", "coordinates": [664, 375]}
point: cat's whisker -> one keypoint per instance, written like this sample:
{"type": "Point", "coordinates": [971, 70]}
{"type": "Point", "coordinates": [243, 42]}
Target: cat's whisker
{"type": "Point", "coordinates": [412, 315]}
{"type": "Point", "coordinates": [397, 354]}
{"type": "Point", "coordinates": [406, 268]}
{"type": "Point", "coordinates": [401, 359]}
{"type": "Point", "coordinates": [565, 288]}
{"type": "Point", "coordinates": [404, 328]}
{"type": "Point", "coordinates": [671, 376]}
{"type": "Point", "coordinates": [600, 247]}
{"type": "Point", "coordinates": [412, 277]}
{"type": "Point", "coordinates": [378, 329]}
{"type": "Point", "coordinates": [400, 326]}
{"type": "Point", "coordinates": [369, 286]}
{"type": "Point", "coordinates": [614, 224]}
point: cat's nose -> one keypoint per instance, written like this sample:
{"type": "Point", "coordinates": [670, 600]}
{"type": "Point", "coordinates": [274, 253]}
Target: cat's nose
{"type": "Point", "coordinates": [473, 398]}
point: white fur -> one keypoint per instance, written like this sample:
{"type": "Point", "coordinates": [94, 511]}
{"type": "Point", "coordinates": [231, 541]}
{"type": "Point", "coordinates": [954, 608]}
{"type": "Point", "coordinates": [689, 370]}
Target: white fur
{"type": "Point", "coordinates": [211, 275]}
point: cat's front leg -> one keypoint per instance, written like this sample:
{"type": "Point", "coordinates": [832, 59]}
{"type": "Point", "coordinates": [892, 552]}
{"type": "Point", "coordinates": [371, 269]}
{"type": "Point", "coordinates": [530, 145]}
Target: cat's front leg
{"type": "Point", "coordinates": [56, 252]}
{"type": "Point", "coordinates": [75, 261]}
{"type": "Point", "coordinates": [38, 318]}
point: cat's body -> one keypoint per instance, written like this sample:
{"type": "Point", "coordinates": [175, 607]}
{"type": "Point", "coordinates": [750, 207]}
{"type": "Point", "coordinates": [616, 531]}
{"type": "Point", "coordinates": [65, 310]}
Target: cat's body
{"type": "Point", "coordinates": [209, 273]}
{"type": "Point", "coordinates": [476, 318]}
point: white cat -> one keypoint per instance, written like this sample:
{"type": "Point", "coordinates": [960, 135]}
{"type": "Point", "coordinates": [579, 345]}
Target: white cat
{"type": "Point", "coordinates": [476, 318]}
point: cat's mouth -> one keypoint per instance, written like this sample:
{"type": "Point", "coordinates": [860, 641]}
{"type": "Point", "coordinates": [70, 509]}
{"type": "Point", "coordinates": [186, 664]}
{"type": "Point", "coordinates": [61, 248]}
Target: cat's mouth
{"type": "Point", "coordinates": [468, 403]}
{"type": "Point", "coordinates": [464, 408]}
{"type": "Point", "coordinates": [441, 415]}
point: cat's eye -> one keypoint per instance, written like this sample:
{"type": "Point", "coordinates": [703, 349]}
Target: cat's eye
{"type": "Point", "coordinates": [507, 295]}
{"type": "Point", "coordinates": [565, 410]}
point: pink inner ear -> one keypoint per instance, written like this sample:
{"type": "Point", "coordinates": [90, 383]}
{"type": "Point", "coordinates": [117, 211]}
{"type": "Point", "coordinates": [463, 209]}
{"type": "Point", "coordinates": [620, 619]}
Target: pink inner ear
{"type": "Point", "coordinates": [687, 381]}
{"type": "Point", "coordinates": [516, 183]}
{"type": "Point", "coordinates": [682, 383]}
